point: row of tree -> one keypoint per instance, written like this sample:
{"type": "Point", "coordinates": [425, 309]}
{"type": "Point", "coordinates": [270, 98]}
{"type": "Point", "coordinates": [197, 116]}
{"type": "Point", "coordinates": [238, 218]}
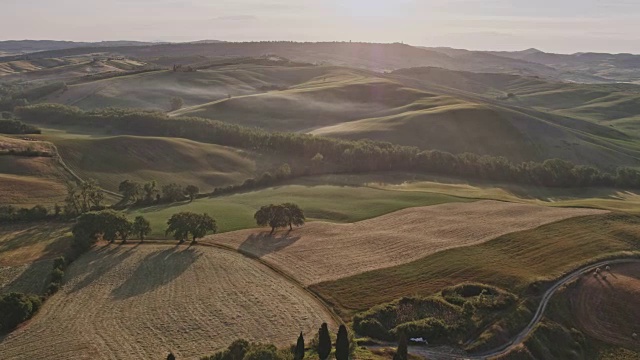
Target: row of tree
{"type": "Point", "coordinates": [147, 193]}
{"type": "Point", "coordinates": [345, 156]}
{"type": "Point", "coordinates": [109, 225]}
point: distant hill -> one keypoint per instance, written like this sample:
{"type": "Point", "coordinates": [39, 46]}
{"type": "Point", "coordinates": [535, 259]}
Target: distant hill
{"type": "Point", "coordinates": [29, 46]}
{"type": "Point", "coordinates": [581, 67]}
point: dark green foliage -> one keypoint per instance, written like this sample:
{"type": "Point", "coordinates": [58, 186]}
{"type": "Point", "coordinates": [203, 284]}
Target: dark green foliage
{"type": "Point", "coordinates": [262, 352]}
{"type": "Point", "coordinates": [430, 328]}
{"type": "Point", "coordinates": [298, 352]}
{"type": "Point", "coordinates": [324, 342]}
{"type": "Point", "coordinates": [185, 223]}
{"type": "Point", "coordinates": [12, 214]}
{"type": "Point", "coordinates": [107, 224]}
{"type": "Point", "coordinates": [173, 192]}
{"type": "Point", "coordinates": [16, 308]}
{"type": "Point", "coordinates": [480, 296]}
{"type": "Point", "coordinates": [352, 156]}
{"type": "Point", "coordinates": [83, 198]}
{"type": "Point", "coordinates": [141, 227]}
{"type": "Point", "coordinates": [403, 348]}
{"type": "Point", "coordinates": [17, 127]}
{"type": "Point", "coordinates": [131, 191]}
{"type": "Point", "coordinates": [191, 191]}
{"type": "Point", "coordinates": [342, 344]}
{"type": "Point", "coordinates": [279, 216]}
{"type": "Point", "coordinates": [384, 321]}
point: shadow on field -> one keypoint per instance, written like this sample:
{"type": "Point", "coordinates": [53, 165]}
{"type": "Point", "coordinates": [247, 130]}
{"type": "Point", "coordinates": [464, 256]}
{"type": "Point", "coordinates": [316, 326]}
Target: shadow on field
{"type": "Point", "coordinates": [155, 270]}
{"type": "Point", "coordinates": [263, 243]}
{"type": "Point", "coordinates": [103, 260]}
{"type": "Point", "coordinates": [32, 280]}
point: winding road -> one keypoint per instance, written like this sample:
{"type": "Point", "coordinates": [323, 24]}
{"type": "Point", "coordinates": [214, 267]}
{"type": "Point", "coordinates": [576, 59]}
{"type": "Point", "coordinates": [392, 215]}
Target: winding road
{"type": "Point", "coordinates": [438, 354]}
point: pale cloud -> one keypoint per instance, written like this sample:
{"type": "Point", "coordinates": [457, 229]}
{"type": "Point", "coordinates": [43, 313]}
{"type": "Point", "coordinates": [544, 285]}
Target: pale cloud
{"type": "Point", "coordinates": [552, 25]}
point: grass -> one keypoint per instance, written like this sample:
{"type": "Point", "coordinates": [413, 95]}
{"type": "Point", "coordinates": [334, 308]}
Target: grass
{"type": "Point", "coordinates": [28, 181]}
{"type": "Point", "coordinates": [112, 159]}
{"type": "Point", "coordinates": [512, 261]}
{"type": "Point", "coordinates": [320, 202]}
{"type": "Point", "coordinates": [22, 244]}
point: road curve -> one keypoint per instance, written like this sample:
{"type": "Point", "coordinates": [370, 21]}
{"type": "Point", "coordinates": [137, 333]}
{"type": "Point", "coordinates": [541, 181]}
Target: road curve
{"type": "Point", "coordinates": [518, 339]}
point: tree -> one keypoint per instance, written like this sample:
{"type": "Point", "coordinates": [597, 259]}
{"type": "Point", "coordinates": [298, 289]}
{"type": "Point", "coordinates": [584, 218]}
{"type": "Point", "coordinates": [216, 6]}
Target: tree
{"type": "Point", "coordinates": [403, 352]}
{"type": "Point", "coordinates": [124, 228]}
{"type": "Point", "coordinates": [130, 191]}
{"type": "Point", "coordinates": [141, 227]}
{"type": "Point", "coordinates": [185, 223]}
{"type": "Point", "coordinates": [171, 356]}
{"type": "Point", "coordinates": [83, 198]}
{"type": "Point", "coordinates": [298, 352]}
{"type": "Point", "coordinates": [176, 103]}
{"type": "Point", "coordinates": [150, 191]}
{"type": "Point", "coordinates": [324, 342]}
{"type": "Point", "coordinates": [295, 215]}
{"type": "Point", "coordinates": [201, 225]}
{"type": "Point", "coordinates": [274, 216]}
{"type": "Point", "coordinates": [342, 344]}
{"type": "Point", "coordinates": [16, 308]}
{"type": "Point", "coordinates": [191, 191]}
{"type": "Point", "coordinates": [173, 192]}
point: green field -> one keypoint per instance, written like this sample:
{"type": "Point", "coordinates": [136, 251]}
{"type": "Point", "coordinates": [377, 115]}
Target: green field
{"type": "Point", "coordinates": [512, 261]}
{"type": "Point", "coordinates": [320, 202]}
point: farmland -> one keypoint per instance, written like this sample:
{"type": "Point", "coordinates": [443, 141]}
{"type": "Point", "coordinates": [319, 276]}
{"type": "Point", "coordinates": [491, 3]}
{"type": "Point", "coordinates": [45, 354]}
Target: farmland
{"type": "Point", "coordinates": [192, 301]}
{"type": "Point", "coordinates": [311, 255]}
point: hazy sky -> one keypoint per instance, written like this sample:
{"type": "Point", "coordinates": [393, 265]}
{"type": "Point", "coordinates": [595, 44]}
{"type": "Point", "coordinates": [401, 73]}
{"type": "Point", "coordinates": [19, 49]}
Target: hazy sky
{"type": "Point", "coordinates": [550, 25]}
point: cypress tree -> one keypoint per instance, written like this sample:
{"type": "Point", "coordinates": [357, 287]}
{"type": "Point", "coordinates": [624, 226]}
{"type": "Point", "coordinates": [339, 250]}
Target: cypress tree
{"type": "Point", "coordinates": [403, 351]}
{"type": "Point", "coordinates": [342, 344]}
{"type": "Point", "coordinates": [298, 353]}
{"type": "Point", "coordinates": [324, 342]}
{"type": "Point", "coordinates": [171, 356]}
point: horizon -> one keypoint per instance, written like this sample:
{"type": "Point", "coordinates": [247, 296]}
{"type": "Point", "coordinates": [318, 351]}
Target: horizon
{"type": "Point", "coordinates": [160, 42]}
{"type": "Point", "coordinates": [495, 25]}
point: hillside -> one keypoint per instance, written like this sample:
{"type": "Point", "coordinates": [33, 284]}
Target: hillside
{"type": "Point", "coordinates": [311, 254]}
{"type": "Point", "coordinates": [111, 160]}
{"type": "Point", "coordinates": [192, 301]}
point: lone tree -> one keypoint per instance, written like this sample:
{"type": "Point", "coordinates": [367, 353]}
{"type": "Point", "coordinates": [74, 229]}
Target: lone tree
{"type": "Point", "coordinates": [171, 356]}
{"type": "Point", "coordinates": [280, 216]}
{"type": "Point", "coordinates": [342, 344]}
{"type": "Point", "coordinates": [191, 191]}
{"type": "Point", "coordinates": [403, 352]}
{"type": "Point", "coordinates": [324, 342]}
{"type": "Point", "coordinates": [141, 227]}
{"type": "Point", "coordinates": [185, 223]}
{"type": "Point", "coordinates": [298, 352]}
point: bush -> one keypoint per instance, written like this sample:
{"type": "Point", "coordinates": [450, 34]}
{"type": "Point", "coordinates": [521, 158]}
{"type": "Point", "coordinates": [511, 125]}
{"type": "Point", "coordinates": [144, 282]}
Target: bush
{"type": "Point", "coordinates": [17, 127]}
{"type": "Point", "coordinates": [56, 275]}
{"type": "Point", "coordinates": [371, 328]}
{"type": "Point", "coordinates": [430, 329]}
{"type": "Point", "coordinates": [16, 308]}
{"type": "Point", "coordinates": [481, 296]}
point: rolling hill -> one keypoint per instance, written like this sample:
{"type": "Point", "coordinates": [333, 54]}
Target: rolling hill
{"type": "Point", "coordinates": [111, 160]}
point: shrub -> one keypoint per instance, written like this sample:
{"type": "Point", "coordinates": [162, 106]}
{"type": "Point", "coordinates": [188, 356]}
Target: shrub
{"type": "Point", "coordinates": [16, 308]}
{"type": "Point", "coordinates": [430, 329]}
{"type": "Point", "coordinates": [57, 275]}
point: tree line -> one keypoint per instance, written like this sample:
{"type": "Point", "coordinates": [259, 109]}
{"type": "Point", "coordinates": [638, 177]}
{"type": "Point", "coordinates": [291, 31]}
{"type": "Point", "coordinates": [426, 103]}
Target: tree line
{"type": "Point", "coordinates": [321, 346]}
{"type": "Point", "coordinates": [343, 155]}
{"type": "Point", "coordinates": [148, 193]}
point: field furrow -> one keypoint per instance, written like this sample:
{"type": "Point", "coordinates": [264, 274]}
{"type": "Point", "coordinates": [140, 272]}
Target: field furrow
{"type": "Point", "coordinates": [140, 302]}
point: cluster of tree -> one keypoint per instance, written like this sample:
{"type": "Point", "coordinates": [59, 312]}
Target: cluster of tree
{"type": "Point", "coordinates": [347, 156]}
{"type": "Point", "coordinates": [147, 193]}
{"type": "Point", "coordinates": [12, 214]}
{"type": "Point", "coordinates": [109, 225]}
{"type": "Point", "coordinates": [17, 127]}
{"type": "Point", "coordinates": [321, 345]}
{"type": "Point", "coordinates": [180, 68]}
{"type": "Point", "coordinates": [267, 178]}
{"type": "Point", "coordinates": [183, 224]}
{"type": "Point", "coordinates": [280, 216]}
{"type": "Point", "coordinates": [16, 308]}
{"type": "Point", "coordinates": [56, 275]}
{"type": "Point", "coordinates": [82, 198]}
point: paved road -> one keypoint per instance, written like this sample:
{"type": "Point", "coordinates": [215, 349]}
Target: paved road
{"type": "Point", "coordinates": [439, 354]}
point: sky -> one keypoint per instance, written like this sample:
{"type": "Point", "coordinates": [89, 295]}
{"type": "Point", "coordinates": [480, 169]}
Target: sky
{"type": "Point", "coordinates": [563, 26]}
